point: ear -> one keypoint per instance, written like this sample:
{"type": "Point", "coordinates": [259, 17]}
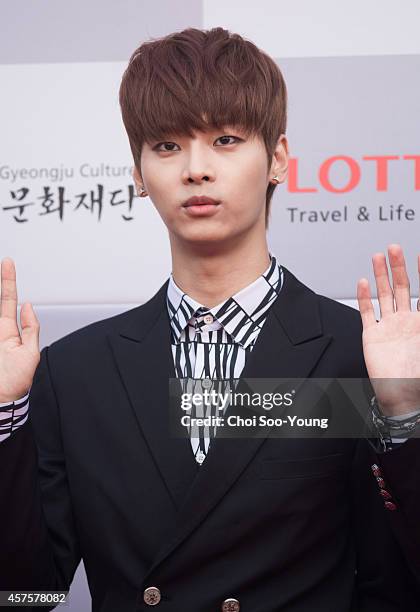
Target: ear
{"type": "Point", "coordinates": [137, 179]}
{"type": "Point", "coordinates": [280, 163]}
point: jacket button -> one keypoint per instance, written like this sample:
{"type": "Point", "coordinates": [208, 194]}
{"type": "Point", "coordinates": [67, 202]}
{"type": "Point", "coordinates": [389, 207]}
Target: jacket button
{"type": "Point", "coordinates": [381, 482]}
{"type": "Point", "coordinates": [376, 470]}
{"type": "Point", "coordinates": [206, 383]}
{"type": "Point", "coordinates": [390, 505]}
{"type": "Point", "coordinates": [385, 494]}
{"type": "Point", "coordinates": [151, 596]}
{"type": "Point", "coordinates": [231, 605]}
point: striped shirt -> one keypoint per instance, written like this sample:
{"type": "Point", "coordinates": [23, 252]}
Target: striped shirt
{"type": "Point", "coordinates": [210, 345]}
{"type": "Point", "coordinates": [13, 415]}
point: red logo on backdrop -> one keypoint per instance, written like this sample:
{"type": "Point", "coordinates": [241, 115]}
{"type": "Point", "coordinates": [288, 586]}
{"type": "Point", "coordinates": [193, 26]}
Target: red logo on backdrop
{"type": "Point", "coordinates": [381, 164]}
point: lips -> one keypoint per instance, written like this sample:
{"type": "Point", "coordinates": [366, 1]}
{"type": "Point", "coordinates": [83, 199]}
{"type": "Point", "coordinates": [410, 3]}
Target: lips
{"type": "Point", "coordinates": [199, 201]}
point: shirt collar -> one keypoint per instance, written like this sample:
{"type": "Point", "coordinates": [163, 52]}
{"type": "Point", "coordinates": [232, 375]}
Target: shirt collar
{"type": "Point", "coordinates": [241, 315]}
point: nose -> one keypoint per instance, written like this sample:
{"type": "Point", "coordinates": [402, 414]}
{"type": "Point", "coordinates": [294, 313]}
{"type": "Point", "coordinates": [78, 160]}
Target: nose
{"type": "Point", "coordinates": [198, 178]}
{"type": "Point", "coordinates": [198, 167]}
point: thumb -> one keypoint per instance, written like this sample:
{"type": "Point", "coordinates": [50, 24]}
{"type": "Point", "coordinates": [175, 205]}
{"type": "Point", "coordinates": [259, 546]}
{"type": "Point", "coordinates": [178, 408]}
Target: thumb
{"type": "Point", "coordinates": [30, 327]}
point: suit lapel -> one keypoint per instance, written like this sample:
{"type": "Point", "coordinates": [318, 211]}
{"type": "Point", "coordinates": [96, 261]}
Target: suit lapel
{"type": "Point", "coordinates": [290, 345]}
{"type": "Point", "coordinates": [143, 354]}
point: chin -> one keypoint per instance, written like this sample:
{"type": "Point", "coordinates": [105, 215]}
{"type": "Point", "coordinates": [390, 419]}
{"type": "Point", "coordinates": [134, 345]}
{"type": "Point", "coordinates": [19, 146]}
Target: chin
{"type": "Point", "coordinates": [208, 237]}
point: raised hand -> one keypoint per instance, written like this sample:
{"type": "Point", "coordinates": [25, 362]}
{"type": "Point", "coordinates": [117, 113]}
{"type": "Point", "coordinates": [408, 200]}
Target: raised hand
{"type": "Point", "coordinates": [391, 346]}
{"type": "Point", "coordinates": [19, 351]}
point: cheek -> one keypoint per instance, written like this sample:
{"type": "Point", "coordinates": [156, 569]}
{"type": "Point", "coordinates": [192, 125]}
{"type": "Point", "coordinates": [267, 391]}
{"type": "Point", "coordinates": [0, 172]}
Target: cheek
{"type": "Point", "coordinates": [154, 173]}
{"type": "Point", "coordinates": [159, 187]}
{"type": "Point", "coordinates": [251, 172]}
{"type": "Point", "coordinates": [248, 187]}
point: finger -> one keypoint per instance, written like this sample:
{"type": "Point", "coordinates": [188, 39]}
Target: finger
{"type": "Point", "coordinates": [30, 327]}
{"type": "Point", "coordinates": [400, 280]}
{"type": "Point", "coordinates": [383, 288]}
{"type": "Point", "coordinates": [8, 302]}
{"type": "Point", "coordinates": [364, 298]}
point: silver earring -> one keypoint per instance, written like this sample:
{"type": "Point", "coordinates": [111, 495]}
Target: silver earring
{"type": "Point", "coordinates": [142, 192]}
{"type": "Point", "coordinates": [276, 178]}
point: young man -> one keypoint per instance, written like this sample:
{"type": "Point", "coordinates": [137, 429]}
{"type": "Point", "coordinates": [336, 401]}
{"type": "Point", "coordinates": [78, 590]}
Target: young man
{"type": "Point", "coordinates": [197, 524]}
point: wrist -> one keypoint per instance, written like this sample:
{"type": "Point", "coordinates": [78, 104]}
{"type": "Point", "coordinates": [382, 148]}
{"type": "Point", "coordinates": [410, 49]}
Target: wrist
{"type": "Point", "coordinates": [4, 399]}
{"type": "Point", "coordinates": [396, 424]}
{"type": "Point", "coordinates": [399, 409]}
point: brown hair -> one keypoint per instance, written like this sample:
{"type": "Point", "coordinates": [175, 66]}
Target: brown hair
{"type": "Point", "coordinates": [172, 83]}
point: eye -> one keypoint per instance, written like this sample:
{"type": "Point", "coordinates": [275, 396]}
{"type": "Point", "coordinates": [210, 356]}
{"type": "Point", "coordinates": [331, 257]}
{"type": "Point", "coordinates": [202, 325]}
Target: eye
{"type": "Point", "coordinates": [171, 144]}
{"type": "Point", "coordinates": [228, 143]}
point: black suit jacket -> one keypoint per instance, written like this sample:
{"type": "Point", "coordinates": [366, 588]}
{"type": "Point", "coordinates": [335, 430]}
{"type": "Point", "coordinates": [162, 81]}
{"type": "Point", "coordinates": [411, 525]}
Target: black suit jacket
{"type": "Point", "coordinates": [292, 525]}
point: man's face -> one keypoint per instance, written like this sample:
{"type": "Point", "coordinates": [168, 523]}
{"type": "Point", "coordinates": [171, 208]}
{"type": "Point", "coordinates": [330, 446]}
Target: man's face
{"type": "Point", "coordinates": [220, 164]}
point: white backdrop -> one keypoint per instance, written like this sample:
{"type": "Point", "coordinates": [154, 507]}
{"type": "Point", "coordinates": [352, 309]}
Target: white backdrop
{"type": "Point", "coordinates": [352, 75]}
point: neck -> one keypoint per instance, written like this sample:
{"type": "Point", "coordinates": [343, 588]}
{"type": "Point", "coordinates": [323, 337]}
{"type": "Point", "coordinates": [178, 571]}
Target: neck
{"type": "Point", "coordinates": [210, 274]}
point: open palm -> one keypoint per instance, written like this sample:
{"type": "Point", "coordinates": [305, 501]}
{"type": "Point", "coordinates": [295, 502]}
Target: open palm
{"type": "Point", "coordinates": [19, 351]}
{"type": "Point", "coordinates": [391, 346]}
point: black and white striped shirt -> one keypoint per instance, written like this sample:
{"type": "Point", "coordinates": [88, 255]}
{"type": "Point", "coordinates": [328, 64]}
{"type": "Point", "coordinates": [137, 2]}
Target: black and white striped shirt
{"type": "Point", "coordinates": [12, 416]}
{"type": "Point", "coordinates": [213, 343]}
